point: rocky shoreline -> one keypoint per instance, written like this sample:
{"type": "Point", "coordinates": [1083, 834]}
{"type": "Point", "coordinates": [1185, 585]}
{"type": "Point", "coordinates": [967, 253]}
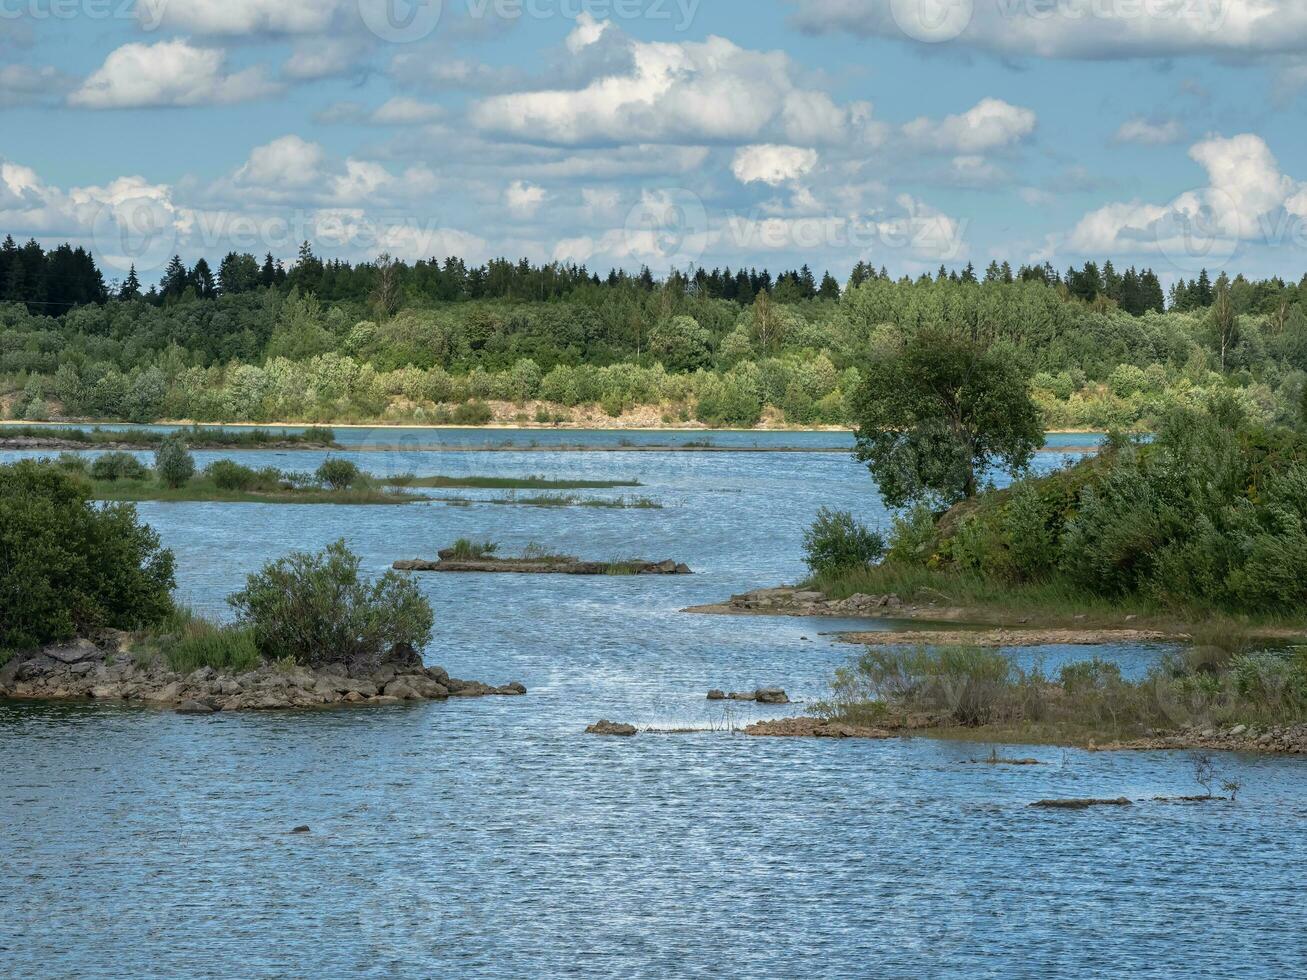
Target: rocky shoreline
{"type": "Point", "coordinates": [788, 601]}
{"type": "Point", "coordinates": [107, 669]}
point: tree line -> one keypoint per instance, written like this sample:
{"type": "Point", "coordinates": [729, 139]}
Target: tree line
{"type": "Point", "coordinates": [66, 277]}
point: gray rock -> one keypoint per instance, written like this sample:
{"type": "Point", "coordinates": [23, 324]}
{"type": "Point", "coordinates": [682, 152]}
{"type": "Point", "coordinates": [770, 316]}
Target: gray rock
{"type": "Point", "coordinates": [399, 689]}
{"type": "Point", "coordinates": [606, 727]}
{"type": "Point", "coordinates": [771, 695]}
{"type": "Point", "coordinates": [74, 652]}
{"type": "Point", "coordinates": [194, 708]}
{"type": "Point", "coordinates": [1238, 730]}
{"type": "Point", "coordinates": [716, 695]}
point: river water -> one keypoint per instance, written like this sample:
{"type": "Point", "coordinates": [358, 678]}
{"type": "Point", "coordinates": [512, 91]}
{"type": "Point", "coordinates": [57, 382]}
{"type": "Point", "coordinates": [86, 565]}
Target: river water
{"type": "Point", "coordinates": [492, 838]}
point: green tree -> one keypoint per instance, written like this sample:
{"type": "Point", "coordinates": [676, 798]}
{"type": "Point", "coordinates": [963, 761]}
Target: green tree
{"type": "Point", "coordinates": [68, 566]}
{"type": "Point", "coordinates": [174, 463]}
{"type": "Point", "coordinates": [938, 408]}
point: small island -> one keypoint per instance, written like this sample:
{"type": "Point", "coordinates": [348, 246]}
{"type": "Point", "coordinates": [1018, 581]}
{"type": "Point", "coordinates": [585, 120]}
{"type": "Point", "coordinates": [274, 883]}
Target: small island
{"type": "Point", "coordinates": [470, 556]}
{"type": "Point", "coordinates": [93, 617]}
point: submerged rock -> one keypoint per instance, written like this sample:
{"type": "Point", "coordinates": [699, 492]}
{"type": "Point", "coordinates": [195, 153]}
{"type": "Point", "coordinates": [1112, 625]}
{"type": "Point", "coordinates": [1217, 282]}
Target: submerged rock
{"type": "Point", "coordinates": [606, 727]}
{"type": "Point", "coordinates": [813, 728]}
{"type": "Point", "coordinates": [1079, 804]}
{"type": "Point", "coordinates": [763, 695]}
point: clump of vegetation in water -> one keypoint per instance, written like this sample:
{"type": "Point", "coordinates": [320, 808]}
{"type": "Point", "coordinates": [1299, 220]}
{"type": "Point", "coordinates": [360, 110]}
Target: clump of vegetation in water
{"type": "Point", "coordinates": [837, 542]}
{"type": "Point", "coordinates": [972, 687]}
{"type": "Point", "coordinates": [506, 483]}
{"type": "Point", "coordinates": [67, 566]}
{"type": "Point", "coordinates": [318, 608]}
{"type": "Point", "coordinates": [192, 436]}
{"type": "Point", "coordinates": [465, 549]}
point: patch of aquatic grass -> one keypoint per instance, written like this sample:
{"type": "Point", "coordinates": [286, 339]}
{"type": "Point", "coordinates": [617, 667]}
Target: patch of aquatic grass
{"type": "Point", "coordinates": [538, 552]}
{"type": "Point", "coordinates": [506, 483]}
{"type": "Point", "coordinates": [559, 500]}
{"type": "Point", "coordinates": [188, 643]}
{"type": "Point", "coordinates": [954, 690]}
{"type": "Point", "coordinates": [264, 490]}
{"type": "Point", "coordinates": [465, 549]}
{"type": "Point", "coordinates": [193, 436]}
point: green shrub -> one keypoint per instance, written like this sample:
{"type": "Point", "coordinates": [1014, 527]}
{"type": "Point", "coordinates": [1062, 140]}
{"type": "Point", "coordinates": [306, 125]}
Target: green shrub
{"type": "Point", "coordinates": [67, 566]}
{"type": "Point", "coordinates": [338, 474]}
{"type": "Point", "coordinates": [118, 466]}
{"type": "Point", "coordinates": [957, 685]}
{"type": "Point", "coordinates": [229, 475]}
{"type": "Point", "coordinates": [317, 609]}
{"type": "Point", "coordinates": [72, 462]}
{"type": "Point", "coordinates": [173, 463]}
{"type": "Point", "coordinates": [838, 542]}
{"type": "Point", "coordinates": [472, 413]}
{"type": "Point", "coordinates": [913, 536]}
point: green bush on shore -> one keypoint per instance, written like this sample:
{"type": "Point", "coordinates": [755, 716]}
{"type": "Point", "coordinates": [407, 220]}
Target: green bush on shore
{"type": "Point", "coordinates": [317, 609]}
{"type": "Point", "coordinates": [837, 542]}
{"type": "Point", "coordinates": [338, 474]}
{"type": "Point", "coordinates": [118, 466]}
{"type": "Point", "coordinates": [1211, 514]}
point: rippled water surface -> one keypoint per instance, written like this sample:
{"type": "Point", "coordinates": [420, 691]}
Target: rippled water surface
{"type": "Point", "coordinates": [492, 838]}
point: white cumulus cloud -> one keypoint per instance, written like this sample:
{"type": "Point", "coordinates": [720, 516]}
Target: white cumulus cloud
{"type": "Point", "coordinates": [989, 125]}
{"type": "Point", "coordinates": [169, 73]}
{"type": "Point", "coordinates": [771, 164]}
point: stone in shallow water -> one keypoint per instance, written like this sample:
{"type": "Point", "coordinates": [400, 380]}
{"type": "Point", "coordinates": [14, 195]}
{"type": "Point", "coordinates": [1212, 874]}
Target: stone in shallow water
{"type": "Point", "coordinates": [606, 727]}
{"type": "Point", "coordinates": [194, 708]}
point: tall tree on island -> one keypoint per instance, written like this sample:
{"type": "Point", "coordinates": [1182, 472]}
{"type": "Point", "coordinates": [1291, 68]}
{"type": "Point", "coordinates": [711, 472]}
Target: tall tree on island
{"type": "Point", "coordinates": [936, 409]}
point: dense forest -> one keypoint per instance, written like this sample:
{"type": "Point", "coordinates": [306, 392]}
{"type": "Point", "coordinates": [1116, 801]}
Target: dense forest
{"type": "Point", "coordinates": [433, 341]}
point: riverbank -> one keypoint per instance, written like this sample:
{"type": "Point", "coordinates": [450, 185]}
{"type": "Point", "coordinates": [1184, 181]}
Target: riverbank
{"type": "Point", "coordinates": [1008, 622]}
{"type": "Point", "coordinates": [117, 666]}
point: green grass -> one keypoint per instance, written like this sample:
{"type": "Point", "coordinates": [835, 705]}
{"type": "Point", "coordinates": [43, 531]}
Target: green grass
{"type": "Point", "coordinates": [189, 643]}
{"type": "Point", "coordinates": [195, 437]}
{"type": "Point", "coordinates": [202, 490]}
{"type": "Point", "coordinates": [507, 483]}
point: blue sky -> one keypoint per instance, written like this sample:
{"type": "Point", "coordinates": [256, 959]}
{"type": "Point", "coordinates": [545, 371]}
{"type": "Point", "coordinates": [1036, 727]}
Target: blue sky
{"type": "Point", "coordinates": [662, 132]}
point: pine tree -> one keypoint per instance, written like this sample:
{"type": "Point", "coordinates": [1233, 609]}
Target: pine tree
{"type": "Point", "coordinates": [830, 288]}
{"type": "Point", "coordinates": [131, 288]}
{"type": "Point", "coordinates": [201, 279]}
{"type": "Point", "coordinates": [175, 280]}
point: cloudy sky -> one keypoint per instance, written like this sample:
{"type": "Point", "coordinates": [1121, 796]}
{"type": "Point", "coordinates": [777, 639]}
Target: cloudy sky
{"type": "Point", "coordinates": [662, 132]}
